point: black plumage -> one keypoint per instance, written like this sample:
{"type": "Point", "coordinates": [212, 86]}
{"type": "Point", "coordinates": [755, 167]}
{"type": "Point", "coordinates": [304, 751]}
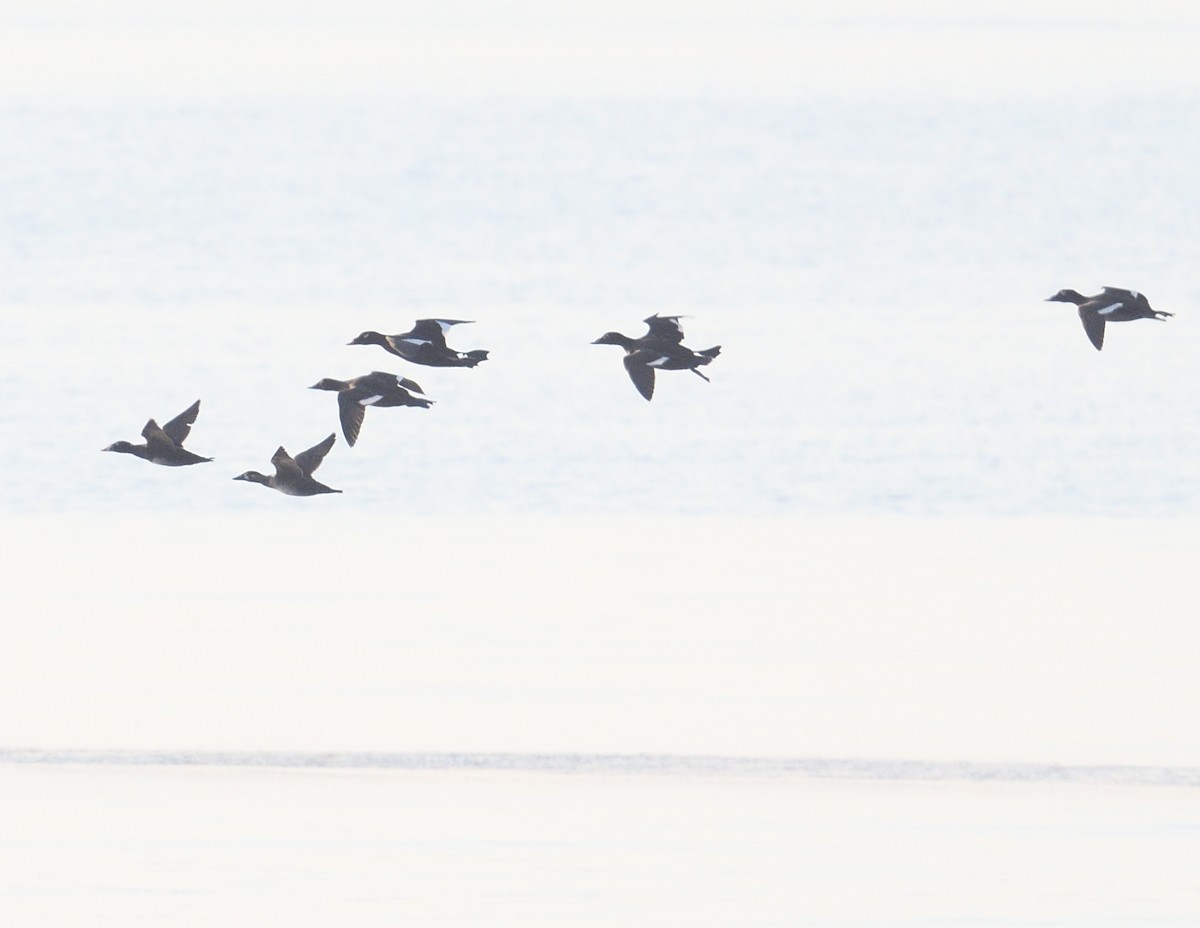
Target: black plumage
{"type": "Point", "coordinates": [1112, 304]}
{"type": "Point", "coordinates": [377, 388]}
{"type": "Point", "coordinates": [424, 343]}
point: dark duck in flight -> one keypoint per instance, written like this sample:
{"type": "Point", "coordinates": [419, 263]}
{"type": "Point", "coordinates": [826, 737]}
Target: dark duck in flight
{"type": "Point", "coordinates": [425, 343]}
{"type": "Point", "coordinates": [164, 444]}
{"type": "Point", "coordinates": [294, 475]}
{"type": "Point", "coordinates": [1112, 304]}
{"type": "Point", "coordinates": [661, 348]}
{"type": "Point", "coordinates": [377, 388]}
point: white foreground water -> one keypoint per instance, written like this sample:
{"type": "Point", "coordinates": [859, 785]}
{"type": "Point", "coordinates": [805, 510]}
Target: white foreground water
{"type": "Point", "coordinates": [544, 721]}
{"type": "Point", "coordinates": [130, 846]}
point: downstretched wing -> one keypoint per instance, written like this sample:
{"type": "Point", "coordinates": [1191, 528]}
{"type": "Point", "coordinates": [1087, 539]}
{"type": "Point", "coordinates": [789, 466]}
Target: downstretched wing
{"type": "Point", "coordinates": [641, 374]}
{"type": "Point", "coordinates": [664, 328]}
{"type": "Point", "coordinates": [351, 412]}
{"type": "Point", "coordinates": [179, 427]}
{"type": "Point", "coordinates": [308, 461]}
{"type": "Point", "coordinates": [1093, 324]}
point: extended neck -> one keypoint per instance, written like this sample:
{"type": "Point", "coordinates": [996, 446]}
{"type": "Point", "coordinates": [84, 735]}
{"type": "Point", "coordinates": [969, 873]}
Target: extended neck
{"type": "Point", "coordinates": [1069, 296]}
{"type": "Point", "coordinates": [616, 338]}
{"type": "Point", "coordinates": [124, 447]}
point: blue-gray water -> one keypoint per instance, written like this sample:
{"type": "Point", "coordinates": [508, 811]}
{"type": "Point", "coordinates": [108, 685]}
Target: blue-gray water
{"type": "Point", "coordinates": [875, 270]}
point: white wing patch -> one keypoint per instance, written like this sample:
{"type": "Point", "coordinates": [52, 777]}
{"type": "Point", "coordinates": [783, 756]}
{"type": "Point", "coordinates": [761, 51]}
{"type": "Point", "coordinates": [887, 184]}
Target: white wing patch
{"type": "Point", "coordinates": [443, 325]}
{"type": "Point", "coordinates": [1111, 308]}
{"type": "Point", "coordinates": [658, 362]}
{"type": "Point", "coordinates": [370, 400]}
{"type": "Point", "coordinates": [416, 341]}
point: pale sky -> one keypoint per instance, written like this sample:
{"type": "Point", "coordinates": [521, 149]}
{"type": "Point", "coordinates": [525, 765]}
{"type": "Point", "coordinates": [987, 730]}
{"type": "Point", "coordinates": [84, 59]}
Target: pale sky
{"type": "Point", "coordinates": [85, 49]}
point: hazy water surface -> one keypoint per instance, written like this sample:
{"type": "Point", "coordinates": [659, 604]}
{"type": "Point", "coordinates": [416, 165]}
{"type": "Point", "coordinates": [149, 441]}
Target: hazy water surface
{"type": "Point", "coordinates": [874, 270]}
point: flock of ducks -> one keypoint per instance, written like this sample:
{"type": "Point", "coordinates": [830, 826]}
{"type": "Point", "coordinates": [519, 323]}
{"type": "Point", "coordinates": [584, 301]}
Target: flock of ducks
{"type": "Point", "coordinates": [661, 348]}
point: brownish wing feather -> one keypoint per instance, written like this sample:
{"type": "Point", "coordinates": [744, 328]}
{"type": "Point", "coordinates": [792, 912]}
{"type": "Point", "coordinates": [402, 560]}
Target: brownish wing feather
{"type": "Point", "coordinates": [179, 427]}
{"type": "Point", "coordinates": [308, 461]}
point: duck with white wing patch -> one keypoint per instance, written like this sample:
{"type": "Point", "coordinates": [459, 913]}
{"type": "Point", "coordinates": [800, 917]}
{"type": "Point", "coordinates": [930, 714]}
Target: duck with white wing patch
{"type": "Point", "coordinates": [378, 388]}
{"type": "Point", "coordinates": [1112, 304]}
{"type": "Point", "coordinates": [661, 348]}
{"type": "Point", "coordinates": [424, 343]}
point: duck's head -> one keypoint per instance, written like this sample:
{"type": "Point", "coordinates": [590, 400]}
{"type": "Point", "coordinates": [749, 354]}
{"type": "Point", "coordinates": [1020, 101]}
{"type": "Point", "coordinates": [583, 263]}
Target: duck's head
{"type": "Point", "coordinates": [253, 476]}
{"type": "Point", "coordinates": [328, 383]}
{"type": "Point", "coordinates": [122, 447]}
{"type": "Point", "coordinates": [614, 338]}
{"type": "Point", "coordinates": [1068, 296]}
{"type": "Point", "coordinates": [368, 338]}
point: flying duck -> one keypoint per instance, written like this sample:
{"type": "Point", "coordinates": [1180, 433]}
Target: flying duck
{"type": "Point", "coordinates": [424, 343]}
{"type": "Point", "coordinates": [1112, 304]}
{"type": "Point", "coordinates": [661, 348]}
{"type": "Point", "coordinates": [377, 388]}
{"type": "Point", "coordinates": [293, 476]}
{"type": "Point", "coordinates": [164, 444]}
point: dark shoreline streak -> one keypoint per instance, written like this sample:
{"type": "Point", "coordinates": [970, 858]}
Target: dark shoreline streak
{"type": "Point", "coordinates": [627, 765]}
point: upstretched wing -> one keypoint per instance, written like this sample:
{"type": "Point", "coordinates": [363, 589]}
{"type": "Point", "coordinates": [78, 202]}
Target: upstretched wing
{"type": "Point", "coordinates": [179, 427]}
{"type": "Point", "coordinates": [1093, 324]}
{"type": "Point", "coordinates": [432, 330]}
{"type": "Point", "coordinates": [664, 328]}
{"type": "Point", "coordinates": [308, 461]}
{"type": "Point", "coordinates": [286, 469]}
{"type": "Point", "coordinates": [641, 374]}
{"type": "Point", "coordinates": [156, 438]}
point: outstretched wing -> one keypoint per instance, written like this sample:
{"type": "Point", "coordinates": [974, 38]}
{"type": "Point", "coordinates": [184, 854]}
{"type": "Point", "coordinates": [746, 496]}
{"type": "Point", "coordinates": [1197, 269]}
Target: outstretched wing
{"type": "Point", "coordinates": [1093, 324]}
{"type": "Point", "coordinates": [179, 427]}
{"type": "Point", "coordinates": [664, 328]}
{"type": "Point", "coordinates": [386, 383]}
{"type": "Point", "coordinates": [641, 374]}
{"type": "Point", "coordinates": [308, 461]}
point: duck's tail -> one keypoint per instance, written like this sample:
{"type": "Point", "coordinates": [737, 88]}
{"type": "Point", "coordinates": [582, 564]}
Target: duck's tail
{"type": "Point", "coordinates": [710, 353]}
{"type": "Point", "coordinates": [475, 356]}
